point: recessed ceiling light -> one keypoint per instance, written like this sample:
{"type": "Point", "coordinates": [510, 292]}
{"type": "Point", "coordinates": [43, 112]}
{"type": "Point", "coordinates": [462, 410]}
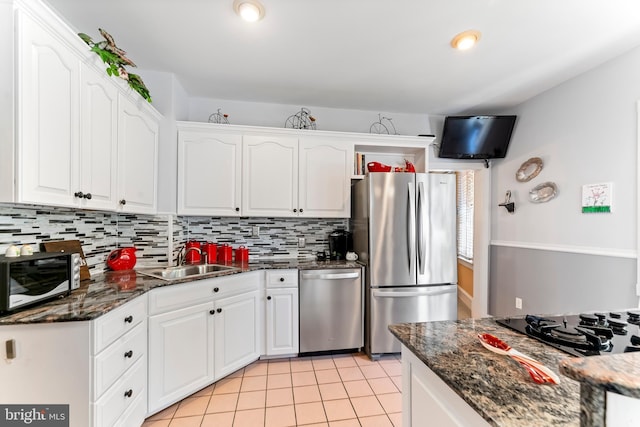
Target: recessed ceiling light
{"type": "Point", "coordinates": [249, 10]}
{"type": "Point", "coordinates": [465, 40]}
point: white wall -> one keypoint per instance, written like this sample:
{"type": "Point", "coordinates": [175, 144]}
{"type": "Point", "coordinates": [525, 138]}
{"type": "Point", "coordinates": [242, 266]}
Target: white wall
{"type": "Point", "coordinates": [585, 132]}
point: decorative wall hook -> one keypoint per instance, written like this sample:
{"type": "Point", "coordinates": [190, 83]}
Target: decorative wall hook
{"type": "Point", "coordinates": [508, 204]}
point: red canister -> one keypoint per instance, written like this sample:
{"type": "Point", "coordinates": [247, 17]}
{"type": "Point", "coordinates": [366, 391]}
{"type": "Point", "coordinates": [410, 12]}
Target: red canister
{"type": "Point", "coordinates": [242, 254]}
{"type": "Point", "coordinates": [225, 254]}
{"type": "Point", "coordinates": [211, 252]}
{"type": "Point", "coordinates": [192, 252]}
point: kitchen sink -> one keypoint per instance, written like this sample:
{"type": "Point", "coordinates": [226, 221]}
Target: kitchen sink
{"type": "Point", "coordinates": [184, 271]}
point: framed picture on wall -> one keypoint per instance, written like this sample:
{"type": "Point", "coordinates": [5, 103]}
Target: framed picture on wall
{"type": "Point", "coordinates": [597, 198]}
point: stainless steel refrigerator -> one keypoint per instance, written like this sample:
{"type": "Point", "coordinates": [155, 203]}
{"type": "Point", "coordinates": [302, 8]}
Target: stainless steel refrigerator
{"type": "Point", "coordinates": [404, 230]}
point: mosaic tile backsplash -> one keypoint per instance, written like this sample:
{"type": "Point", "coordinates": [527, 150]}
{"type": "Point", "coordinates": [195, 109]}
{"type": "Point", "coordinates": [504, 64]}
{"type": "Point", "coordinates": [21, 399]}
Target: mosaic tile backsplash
{"type": "Point", "coordinates": [159, 237]}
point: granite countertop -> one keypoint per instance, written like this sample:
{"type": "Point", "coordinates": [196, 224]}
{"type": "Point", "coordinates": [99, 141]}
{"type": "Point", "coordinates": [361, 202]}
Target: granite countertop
{"type": "Point", "coordinates": [495, 386]}
{"type": "Point", "coordinates": [619, 373]}
{"type": "Point", "coordinates": [105, 292]}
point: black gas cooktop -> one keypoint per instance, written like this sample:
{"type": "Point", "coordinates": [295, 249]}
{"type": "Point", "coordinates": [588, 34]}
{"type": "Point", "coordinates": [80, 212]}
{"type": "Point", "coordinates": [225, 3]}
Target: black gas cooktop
{"type": "Point", "coordinates": [587, 334]}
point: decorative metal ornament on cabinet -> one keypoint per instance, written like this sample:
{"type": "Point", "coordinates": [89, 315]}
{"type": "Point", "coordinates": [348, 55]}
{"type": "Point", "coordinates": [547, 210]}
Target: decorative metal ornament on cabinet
{"type": "Point", "coordinates": [219, 118]}
{"type": "Point", "coordinates": [508, 204]}
{"type": "Point", "coordinates": [384, 125]}
{"type": "Point", "coordinates": [301, 120]}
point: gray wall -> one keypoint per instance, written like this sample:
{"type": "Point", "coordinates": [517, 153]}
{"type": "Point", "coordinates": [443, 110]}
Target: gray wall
{"type": "Point", "coordinates": [551, 282]}
{"type": "Point", "coordinates": [585, 131]}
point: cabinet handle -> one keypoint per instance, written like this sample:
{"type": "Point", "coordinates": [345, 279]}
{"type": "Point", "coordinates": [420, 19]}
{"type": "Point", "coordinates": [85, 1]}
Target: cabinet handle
{"type": "Point", "coordinates": [87, 196]}
{"type": "Point", "coordinates": [123, 202]}
{"type": "Point", "coordinates": [219, 310]}
{"type": "Point", "coordinates": [295, 210]}
{"type": "Point", "coordinates": [212, 312]}
{"type": "Point", "coordinates": [237, 209]}
{"type": "Point", "coordinates": [282, 279]}
{"type": "Point", "coordinates": [129, 354]}
{"type": "Point", "coordinates": [128, 393]}
{"type": "Point", "coordinates": [301, 210]}
{"type": "Point", "coordinates": [216, 289]}
{"type": "Point", "coordinates": [128, 319]}
{"type": "Point", "coordinates": [79, 194]}
{"type": "Point", "coordinates": [269, 297]}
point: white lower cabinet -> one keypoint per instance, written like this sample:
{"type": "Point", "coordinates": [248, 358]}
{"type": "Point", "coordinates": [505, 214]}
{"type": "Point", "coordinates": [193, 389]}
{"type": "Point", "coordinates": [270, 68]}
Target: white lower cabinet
{"type": "Point", "coordinates": [281, 313]}
{"type": "Point", "coordinates": [98, 368]}
{"type": "Point", "coordinates": [428, 401]}
{"type": "Point", "coordinates": [180, 354]}
{"type": "Point", "coordinates": [200, 332]}
{"type": "Point", "coordinates": [236, 333]}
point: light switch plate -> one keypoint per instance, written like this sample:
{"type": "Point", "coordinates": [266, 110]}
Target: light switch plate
{"type": "Point", "coordinates": [10, 346]}
{"type": "Point", "coordinates": [255, 231]}
{"type": "Point", "coordinates": [302, 242]}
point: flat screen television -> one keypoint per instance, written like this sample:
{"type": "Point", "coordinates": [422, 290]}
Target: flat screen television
{"type": "Point", "coordinates": [476, 137]}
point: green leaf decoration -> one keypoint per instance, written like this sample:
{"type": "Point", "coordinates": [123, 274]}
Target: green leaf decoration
{"type": "Point", "coordinates": [116, 60]}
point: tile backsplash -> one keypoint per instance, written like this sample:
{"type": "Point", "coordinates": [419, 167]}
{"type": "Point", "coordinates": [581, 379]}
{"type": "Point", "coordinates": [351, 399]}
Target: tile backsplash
{"type": "Point", "coordinates": [158, 237]}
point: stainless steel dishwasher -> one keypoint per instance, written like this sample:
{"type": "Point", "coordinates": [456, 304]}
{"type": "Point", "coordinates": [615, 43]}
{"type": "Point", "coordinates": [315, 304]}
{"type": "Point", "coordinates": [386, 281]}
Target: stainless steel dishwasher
{"type": "Point", "coordinates": [331, 310]}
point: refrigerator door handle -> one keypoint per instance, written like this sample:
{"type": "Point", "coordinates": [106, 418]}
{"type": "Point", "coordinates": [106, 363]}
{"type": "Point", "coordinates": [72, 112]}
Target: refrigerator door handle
{"type": "Point", "coordinates": [421, 232]}
{"type": "Point", "coordinates": [411, 226]}
{"type": "Point", "coordinates": [383, 294]}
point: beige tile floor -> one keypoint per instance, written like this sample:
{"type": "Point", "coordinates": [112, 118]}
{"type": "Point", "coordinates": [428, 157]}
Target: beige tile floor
{"type": "Point", "coordinates": [339, 390]}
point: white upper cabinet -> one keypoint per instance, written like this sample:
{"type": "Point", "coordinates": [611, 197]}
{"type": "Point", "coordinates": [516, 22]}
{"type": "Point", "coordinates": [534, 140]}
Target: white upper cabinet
{"type": "Point", "coordinates": [232, 170]}
{"type": "Point", "coordinates": [209, 173]}
{"type": "Point", "coordinates": [270, 178]}
{"type": "Point", "coordinates": [81, 140]}
{"type": "Point", "coordinates": [47, 116]}
{"type": "Point", "coordinates": [99, 141]}
{"type": "Point", "coordinates": [325, 177]}
{"type": "Point", "coordinates": [137, 158]}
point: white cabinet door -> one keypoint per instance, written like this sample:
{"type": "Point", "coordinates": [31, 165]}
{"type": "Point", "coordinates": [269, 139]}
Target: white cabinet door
{"type": "Point", "coordinates": [282, 321]}
{"type": "Point", "coordinates": [236, 333]}
{"type": "Point", "coordinates": [137, 158]}
{"type": "Point", "coordinates": [98, 141]}
{"type": "Point", "coordinates": [47, 118]}
{"type": "Point", "coordinates": [52, 365]}
{"type": "Point", "coordinates": [209, 173]}
{"type": "Point", "coordinates": [270, 176]}
{"type": "Point", "coordinates": [180, 354]}
{"type": "Point", "coordinates": [325, 178]}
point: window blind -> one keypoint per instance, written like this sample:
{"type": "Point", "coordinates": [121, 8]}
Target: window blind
{"type": "Point", "coordinates": [464, 213]}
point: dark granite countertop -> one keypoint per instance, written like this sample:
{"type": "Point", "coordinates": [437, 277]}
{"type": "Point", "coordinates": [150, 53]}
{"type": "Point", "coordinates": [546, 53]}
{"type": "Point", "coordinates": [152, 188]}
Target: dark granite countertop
{"type": "Point", "coordinates": [495, 386]}
{"type": "Point", "coordinates": [105, 292]}
{"type": "Point", "coordinates": [619, 373]}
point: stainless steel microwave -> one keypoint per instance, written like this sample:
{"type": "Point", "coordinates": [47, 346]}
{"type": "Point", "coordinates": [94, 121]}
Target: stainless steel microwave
{"type": "Point", "coordinates": [30, 279]}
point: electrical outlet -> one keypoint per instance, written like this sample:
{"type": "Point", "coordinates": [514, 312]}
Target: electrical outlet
{"type": "Point", "coordinates": [519, 303]}
{"type": "Point", "coordinates": [255, 231]}
{"type": "Point", "coordinates": [301, 242]}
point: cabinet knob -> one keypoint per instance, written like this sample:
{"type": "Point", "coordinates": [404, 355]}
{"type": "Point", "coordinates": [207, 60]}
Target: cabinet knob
{"type": "Point", "coordinates": [128, 393]}
{"type": "Point", "coordinates": [216, 289]}
{"type": "Point", "coordinates": [269, 297]}
{"type": "Point", "coordinates": [123, 202]}
{"type": "Point", "coordinates": [219, 310]}
{"type": "Point", "coordinates": [212, 312]}
{"type": "Point", "coordinates": [301, 210]}
{"type": "Point", "coordinates": [79, 194]}
{"type": "Point", "coordinates": [295, 210]}
{"type": "Point", "coordinates": [87, 196]}
{"type": "Point", "coordinates": [128, 319]}
{"type": "Point", "coordinates": [237, 209]}
{"type": "Point", "coordinates": [282, 279]}
{"type": "Point", "coordinates": [129, 354]}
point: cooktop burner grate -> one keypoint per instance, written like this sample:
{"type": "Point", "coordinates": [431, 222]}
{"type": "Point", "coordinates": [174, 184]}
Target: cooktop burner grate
{"type": "Point", "coordinates": [586, 334]}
